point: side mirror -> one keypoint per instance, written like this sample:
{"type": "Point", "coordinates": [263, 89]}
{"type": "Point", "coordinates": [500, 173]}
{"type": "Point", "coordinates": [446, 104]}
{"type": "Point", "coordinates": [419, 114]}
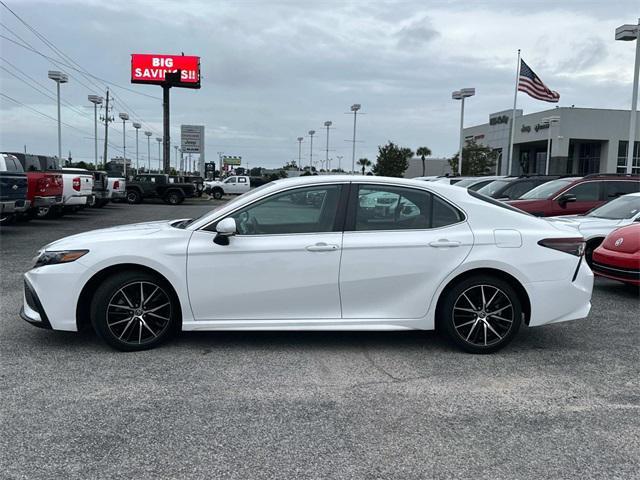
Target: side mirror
{"type": "Point", "coordinates": [566, 198]}
{"type": "Point", "coordinates": [225, 228]}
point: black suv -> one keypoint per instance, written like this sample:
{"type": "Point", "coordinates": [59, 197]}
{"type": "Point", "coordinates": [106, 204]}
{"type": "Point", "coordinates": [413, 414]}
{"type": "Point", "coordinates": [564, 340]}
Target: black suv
{"type": "Point", "coordinates": [511, 188]}
{"type": "Point", "coordinates": [159, 186]}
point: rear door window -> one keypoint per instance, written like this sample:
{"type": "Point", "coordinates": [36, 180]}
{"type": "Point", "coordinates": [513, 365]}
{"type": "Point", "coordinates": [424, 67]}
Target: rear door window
{"type": "Point", "coordinates": [517, 189]}
{"type": "Point", "coordinates": [615, 188]}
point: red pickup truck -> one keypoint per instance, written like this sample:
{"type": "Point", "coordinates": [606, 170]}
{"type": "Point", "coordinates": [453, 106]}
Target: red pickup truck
{"type": "Point", "coordinates": [44, 189]}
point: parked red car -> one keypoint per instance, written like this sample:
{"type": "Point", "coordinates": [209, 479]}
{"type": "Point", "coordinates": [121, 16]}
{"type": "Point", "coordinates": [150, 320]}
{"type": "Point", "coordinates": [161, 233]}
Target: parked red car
{"type": "Point", "coordinates": [44, 189]}
{"type": "Point", "coordinates": [618, 257]}
{"type": "Point", "coordinates": [576, 195]}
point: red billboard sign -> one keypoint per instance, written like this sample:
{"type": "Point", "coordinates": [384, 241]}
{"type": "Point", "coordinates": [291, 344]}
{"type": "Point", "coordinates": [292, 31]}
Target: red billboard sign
{"type": "Point", "coordinates": [151, 69]}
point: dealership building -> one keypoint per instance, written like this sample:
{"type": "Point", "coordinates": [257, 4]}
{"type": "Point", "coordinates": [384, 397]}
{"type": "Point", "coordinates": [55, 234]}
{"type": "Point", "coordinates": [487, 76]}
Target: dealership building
{"type": "Point", "coordinates": [583, 140]}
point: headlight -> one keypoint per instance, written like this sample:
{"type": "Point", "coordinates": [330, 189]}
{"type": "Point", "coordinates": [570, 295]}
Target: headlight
{"type": "Point", "coordinates": [62, 256]}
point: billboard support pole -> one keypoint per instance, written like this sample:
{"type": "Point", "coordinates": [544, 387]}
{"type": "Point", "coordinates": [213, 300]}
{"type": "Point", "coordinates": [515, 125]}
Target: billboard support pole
{"type": "Point", "coordinates": [166, 150]}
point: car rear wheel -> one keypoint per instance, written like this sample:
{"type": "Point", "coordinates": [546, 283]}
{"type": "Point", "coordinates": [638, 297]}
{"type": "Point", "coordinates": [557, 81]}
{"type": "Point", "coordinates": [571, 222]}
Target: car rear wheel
{"type": "Point", "coordinates": [174, 198]}
{"type": "Point", "coordinates": [134, 197]}
{"type": "Point", "coordinates": [481, 314]}
{"type": "Point", "coordinates": [134, 311]}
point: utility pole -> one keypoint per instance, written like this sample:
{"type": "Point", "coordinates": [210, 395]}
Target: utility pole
{"type": "Point", "coordinates": [311, 134]}
{"type": "Point", "coordinates": [300, 139]}
{"type": "Point", "coordinates": [327, 124]}
{"type": "Point", "coordinates": [354, 108]}
{"type": "Point", "coordinates": [106, 120]}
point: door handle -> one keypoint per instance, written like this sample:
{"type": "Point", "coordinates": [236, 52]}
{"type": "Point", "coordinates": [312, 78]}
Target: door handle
{"type": "Point", "coordinates": [444, 243]}
{"type": "Point", "coordinates": [321, 247]}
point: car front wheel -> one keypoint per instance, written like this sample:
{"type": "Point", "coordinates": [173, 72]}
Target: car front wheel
{"type": "Point", "coordinates": [134, 197]}
{"type": "Point", "coordinates": [134, 311]}
{"type": "Point", "coordinates": [481, 314]}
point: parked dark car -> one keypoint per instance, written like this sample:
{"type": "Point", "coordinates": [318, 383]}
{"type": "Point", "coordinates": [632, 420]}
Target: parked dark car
{"type": "Point", "coordinates": [197, 182]}
{"type": "Point", "coordinates": [511, 188]}
{"type": "Point", "coordinates": [158, 186]}
{"type": "Point", "coordinates": [13, 189]}
{"type": "Point", "coordinates": [575, 196]}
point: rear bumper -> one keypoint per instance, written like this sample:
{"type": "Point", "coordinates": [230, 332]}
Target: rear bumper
{"type": "Point", "coordinates": [118, 195]}
{"type": "Point", "coordinates": [561, 300]}
{"type": "Point", "coordinates": [77, 199]}
{"type": "Point", "coordinates": [47, 201]}
{"type": "Point", "coordinates": [14, 206]}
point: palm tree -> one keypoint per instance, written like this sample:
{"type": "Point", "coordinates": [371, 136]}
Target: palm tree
{"type": "Point", "coordinates": [423, 152]}
{"type": "Point", "coordinates": [364, 163]}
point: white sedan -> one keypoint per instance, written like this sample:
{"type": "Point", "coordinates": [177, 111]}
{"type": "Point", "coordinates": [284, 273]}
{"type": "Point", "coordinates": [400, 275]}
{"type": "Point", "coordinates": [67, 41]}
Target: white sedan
{"type": "Point", "coordinates": [595, 225]}
{"type": "Point", "coordinates": [441, 257]}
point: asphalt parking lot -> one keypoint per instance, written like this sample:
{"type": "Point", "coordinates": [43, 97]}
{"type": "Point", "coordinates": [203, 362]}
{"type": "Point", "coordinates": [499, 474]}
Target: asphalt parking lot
{"type": "Point", "coordinates": [562, 401]}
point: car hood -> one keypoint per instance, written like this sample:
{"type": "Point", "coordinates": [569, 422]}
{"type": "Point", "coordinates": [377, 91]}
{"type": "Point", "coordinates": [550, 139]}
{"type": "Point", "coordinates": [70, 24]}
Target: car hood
{"type": "Point", "coordinates": [586, 223]}
{"type": "Point", "coordinates": [111, 234]}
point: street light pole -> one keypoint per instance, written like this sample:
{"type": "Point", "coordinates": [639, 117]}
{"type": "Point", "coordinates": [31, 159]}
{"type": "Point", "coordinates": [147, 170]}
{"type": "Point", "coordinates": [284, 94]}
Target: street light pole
{"type": "Point", "coordinates": [159, 140]}
{"type": "Point", "coordinates": [629, 33]}
{"type": "Point", "coordinates": [137, 126]}
{"type": "Point", "coordinates": [311, 134]}
{"type": "Point", "coordinates": [354, 108]}
{"type": "Point", "coordinates": [59, 78]}
{"type": "Point", "coordinates": [124, 117]}
{"type": "Point", "coordinates": [461, 95]}
{"type": "Point", "coordinates": [327, 124]}
{"type": "Point", "coordinates": [96, 100]}
{"type": "Point", "coordinates": [339, 157]}
{"type": "Point", "coordinates": [148, 134]}
{"type": "Point", "coordinates": [549, 121]}
{"type": "Point", "coordinates": [300, 139]}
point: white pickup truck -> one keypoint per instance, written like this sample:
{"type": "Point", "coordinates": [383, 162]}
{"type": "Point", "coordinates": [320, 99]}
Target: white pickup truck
{"type": "Point", "coordinates": [236, 185]}
{"type": "Point", "coordinates": [117, 188]}
{"type": "Point", "coordinates": [77, 188]}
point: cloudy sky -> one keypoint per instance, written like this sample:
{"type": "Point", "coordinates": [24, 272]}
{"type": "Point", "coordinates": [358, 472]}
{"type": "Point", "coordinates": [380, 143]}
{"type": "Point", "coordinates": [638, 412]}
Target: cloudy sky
{"type": "Point", "coordinates": [272, 70]}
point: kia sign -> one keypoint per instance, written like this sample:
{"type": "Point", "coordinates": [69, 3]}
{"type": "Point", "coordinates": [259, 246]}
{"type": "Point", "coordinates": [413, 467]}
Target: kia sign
{"type": "Point", "coordinates": [151, 69]}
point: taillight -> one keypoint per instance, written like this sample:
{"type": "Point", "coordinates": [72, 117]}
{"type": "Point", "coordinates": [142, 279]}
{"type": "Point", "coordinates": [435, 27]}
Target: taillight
{"type": "Point", "coordinates": [76, 184]}
{"type": "Point", "coordinates": [574, 246]}
{"type": "Point", "coordinates": [116, 185]}
{"type": "Point", "coordinates": [42, 185]}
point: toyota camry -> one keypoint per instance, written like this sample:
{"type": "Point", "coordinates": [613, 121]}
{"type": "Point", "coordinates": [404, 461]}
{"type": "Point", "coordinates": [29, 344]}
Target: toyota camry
{"type": "Point", "coordinates": [319, 253]}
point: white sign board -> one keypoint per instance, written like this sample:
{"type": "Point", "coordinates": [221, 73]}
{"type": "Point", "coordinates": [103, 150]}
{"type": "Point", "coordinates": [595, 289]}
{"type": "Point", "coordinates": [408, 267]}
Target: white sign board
{"type": "Point", "coordinates": [192, 138]}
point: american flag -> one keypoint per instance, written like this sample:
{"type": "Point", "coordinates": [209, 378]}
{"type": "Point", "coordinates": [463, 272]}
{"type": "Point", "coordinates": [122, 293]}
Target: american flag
{"type": "Point", "coordinates": [530, 83]}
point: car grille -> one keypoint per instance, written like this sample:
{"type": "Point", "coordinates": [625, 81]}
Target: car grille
{"type": "Point", "coordinates": [626, 273]}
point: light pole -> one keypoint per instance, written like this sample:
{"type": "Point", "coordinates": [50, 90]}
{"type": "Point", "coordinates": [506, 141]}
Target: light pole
{"type": "Point", "coordinates": [137, 126]}
{"type": "Point", "coordinates": [629, 33]}
{"type": "Point", "coordinates": [311, 134]}
{"type": "Point", "coordinates": [59, 78]}
{"type": "Point", "coordinates": [339, 157]}
{"type": "Point", "coordinates": [327, 124]}
{"type": "Point", "coordinates": [549, 121]}
{"type": "Point", "coordinates": [175, 148]}
{"type": "Point", "coordinates": [354, 108]}
{"type": "Point", "coordinates": [461, 95]}
{"type": "Point", "coordinates": [159, 140]}
{"type": "Point", "coordinates": [148, 134]}
{"type": "Point", "coordinates": [96, 100]}
{"type": "Point", "coordinates": [124, 117]}
{"type": "Point", "coordinates": [300, 139]}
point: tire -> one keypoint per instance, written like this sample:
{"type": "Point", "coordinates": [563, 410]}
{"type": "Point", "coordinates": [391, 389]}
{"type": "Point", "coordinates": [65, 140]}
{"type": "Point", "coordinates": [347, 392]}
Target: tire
{"type": "Point", "coordinates": [589, 248]}
{"type": "Point", "coordinates": [463, 314]}
{"type": "Point", "coordinates": [174, 197]}
{"type": "Point", "coordinates": [217, 193]}
{"type": "Point", "coordinates": [128, 321]}
{"type": "Point", "coordinates": [134, 197]}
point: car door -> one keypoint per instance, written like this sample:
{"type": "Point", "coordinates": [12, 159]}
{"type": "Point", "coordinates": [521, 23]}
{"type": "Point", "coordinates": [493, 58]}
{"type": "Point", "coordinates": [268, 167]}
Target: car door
{"type": "Point", "coordinates": [231, 186]}
{"type": "Point", "coordinates": [282, 264]}
{"type": "Point", "coordinates": [588, 195]}
{"type": "Point", "coordinates": [398, 246]}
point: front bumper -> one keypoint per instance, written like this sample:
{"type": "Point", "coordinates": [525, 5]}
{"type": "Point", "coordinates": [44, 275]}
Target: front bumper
{"type": "Point", "coordinates": [621, 274]}
{"type": "Point", "coordinates": [14, 206]}
{"type": "Point", "coordinates": [32, 310]}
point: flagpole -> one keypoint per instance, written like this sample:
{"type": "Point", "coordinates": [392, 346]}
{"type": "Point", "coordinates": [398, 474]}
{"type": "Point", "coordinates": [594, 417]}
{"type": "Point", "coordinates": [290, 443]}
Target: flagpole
{"type": "Point", "coordinates": [513, 117]}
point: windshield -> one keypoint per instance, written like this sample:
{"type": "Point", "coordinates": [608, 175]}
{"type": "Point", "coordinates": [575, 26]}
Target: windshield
{"type": "Point", "coordinates": [623, 207]}
{"type": "Point", "coordinates": [490, 189]}
{"type": "Point", "coordinates": [230, 203]}
{"type": "Point", "coordinates": [547, 189]}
